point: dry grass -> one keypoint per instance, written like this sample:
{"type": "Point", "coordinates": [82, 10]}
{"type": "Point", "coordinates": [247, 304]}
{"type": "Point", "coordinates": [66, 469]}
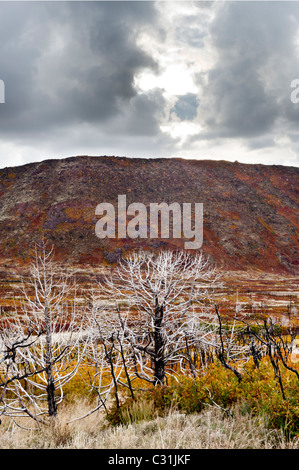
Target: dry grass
{"type": "Point", "coordinates": [210, 429]}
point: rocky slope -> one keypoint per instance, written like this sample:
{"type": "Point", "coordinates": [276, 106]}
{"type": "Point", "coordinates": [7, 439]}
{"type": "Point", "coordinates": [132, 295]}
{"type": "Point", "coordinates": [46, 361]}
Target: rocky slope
{"type": "Point", "coordinates": [250, 211]}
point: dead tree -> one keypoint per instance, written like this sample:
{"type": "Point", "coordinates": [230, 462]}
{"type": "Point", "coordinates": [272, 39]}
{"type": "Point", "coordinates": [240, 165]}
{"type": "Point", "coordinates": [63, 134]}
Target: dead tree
{"type": "Point", "coordinates": [37, 347]}
{"type": "Point", "coordinates": [277, 348]}
{"type": "Point", "coordinates": [162, 310]}
{"type": "Point", "coordinates": [228, 350]}
{"type": "Point", "coordinates": [104, 353]}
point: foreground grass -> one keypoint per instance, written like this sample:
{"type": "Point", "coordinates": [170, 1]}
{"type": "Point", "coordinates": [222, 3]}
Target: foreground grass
{"type": "Point", "coordinates": [209, 429]}
{"type": "Point", "coordinates": [217, 411]}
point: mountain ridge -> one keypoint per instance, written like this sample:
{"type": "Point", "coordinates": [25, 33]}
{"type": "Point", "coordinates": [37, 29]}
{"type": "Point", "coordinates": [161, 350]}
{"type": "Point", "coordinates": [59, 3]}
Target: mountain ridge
{"type": "Point", "coordinates": [250, 210]}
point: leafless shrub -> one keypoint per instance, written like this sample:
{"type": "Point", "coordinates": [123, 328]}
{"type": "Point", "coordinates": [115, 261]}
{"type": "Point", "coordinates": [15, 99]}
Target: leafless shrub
{"type": "Point", "coordinates": [42, 349]}
{"type": "Point", "coordinates": [161, 312]}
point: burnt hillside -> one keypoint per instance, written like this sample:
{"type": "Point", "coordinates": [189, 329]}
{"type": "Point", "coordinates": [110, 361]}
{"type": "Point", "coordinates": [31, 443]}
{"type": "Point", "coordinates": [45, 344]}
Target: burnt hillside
{"type": "Point", "coordinates": [250, 211]}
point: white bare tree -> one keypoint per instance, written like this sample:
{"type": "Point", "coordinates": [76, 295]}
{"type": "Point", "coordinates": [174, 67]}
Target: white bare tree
{"type": "Point", "coordinates": [163, 310]}
{"type": "Point", "coordinates": [42, 348]}
{"type": "Point", "coordinates": [104, 353]}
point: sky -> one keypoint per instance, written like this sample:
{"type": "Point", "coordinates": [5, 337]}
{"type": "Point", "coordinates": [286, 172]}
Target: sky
{"type": "Point", "coordinates": [188, 79]}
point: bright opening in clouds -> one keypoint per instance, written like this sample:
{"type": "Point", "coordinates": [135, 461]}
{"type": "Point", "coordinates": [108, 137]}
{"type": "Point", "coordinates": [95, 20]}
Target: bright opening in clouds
{"type": "Point", "coordinates": [176, 79]}
{"type": "Point", "coordinates": [204, 80]}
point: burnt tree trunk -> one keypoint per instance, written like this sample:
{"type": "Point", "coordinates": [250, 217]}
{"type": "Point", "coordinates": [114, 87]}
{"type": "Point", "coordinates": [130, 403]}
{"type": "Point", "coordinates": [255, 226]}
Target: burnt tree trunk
{"type": "Point", "coordinates": [159, 345]}
{"type": "Point", "coordinates": [52, 407]}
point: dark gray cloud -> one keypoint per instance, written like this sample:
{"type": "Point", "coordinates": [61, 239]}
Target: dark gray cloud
{"type": "Point", "coordinates": [248, 89]}
{"type": "Point", "coordinates": [70, 73]}
{"type": "Point", "coordinates": [70, 62]}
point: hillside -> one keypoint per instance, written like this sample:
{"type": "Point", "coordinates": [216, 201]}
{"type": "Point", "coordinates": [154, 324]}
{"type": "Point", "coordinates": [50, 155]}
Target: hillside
{"type": "Point", "coordinates": [250, 211]}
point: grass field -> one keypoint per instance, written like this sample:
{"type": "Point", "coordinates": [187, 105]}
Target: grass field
{"type": "Point", "coordinates": [210, 429]}
{"type": "Point", "coordinates": [215, 412]}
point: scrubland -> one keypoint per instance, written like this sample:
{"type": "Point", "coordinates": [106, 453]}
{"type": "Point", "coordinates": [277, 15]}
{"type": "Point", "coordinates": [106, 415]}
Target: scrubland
{"type": "Point", "coordinates": [209, 429]}
{"type": "Point", "coordinates": [215, 412]}
{"type": "Point", "coordinates": [157, 360]}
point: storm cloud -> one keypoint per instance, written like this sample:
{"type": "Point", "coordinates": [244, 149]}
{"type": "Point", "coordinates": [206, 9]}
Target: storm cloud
{"type": "Point", "coordinates": [95, 78]}
{"type": "Point", "coordinates": [69, 62]}
{"type": "Point", "coordinates": [246, 93]}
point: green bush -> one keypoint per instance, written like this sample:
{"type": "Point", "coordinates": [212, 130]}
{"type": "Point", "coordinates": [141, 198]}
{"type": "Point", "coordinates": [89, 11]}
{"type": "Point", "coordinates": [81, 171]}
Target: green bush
{"type": "Point", "coordinates": [257, 393]}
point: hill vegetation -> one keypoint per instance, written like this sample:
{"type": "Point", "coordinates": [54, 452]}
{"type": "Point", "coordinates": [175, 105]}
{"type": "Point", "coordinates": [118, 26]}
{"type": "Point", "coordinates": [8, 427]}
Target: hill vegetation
{"type": "Point", "coordinates": [250, 211]}
{"type": "Point", "coordinates": [166, 351]}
